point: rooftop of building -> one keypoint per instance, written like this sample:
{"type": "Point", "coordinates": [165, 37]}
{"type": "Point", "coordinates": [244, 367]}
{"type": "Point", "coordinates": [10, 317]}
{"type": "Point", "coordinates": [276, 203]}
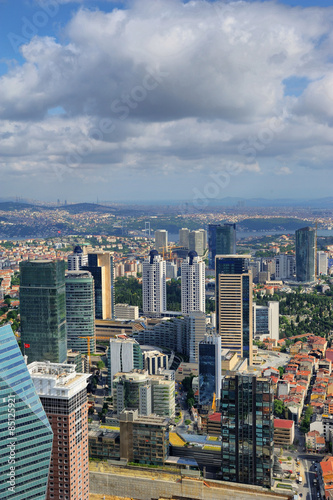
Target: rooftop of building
{"type": "Point", "coordinates": [279, 423]}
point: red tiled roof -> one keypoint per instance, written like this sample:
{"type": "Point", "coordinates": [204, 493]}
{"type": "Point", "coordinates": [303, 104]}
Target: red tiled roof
{"type": "Point", "coordinates": [215, 417]}
{"type": "Point", "coordinates": [283, 424]}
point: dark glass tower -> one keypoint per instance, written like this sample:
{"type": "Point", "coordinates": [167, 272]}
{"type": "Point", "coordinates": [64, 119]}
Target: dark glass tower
{"type": "Point", "coordinates": [233, 298]}
{"type": "Point", "coordinates": [25, 433]}
{"type": "Point", "coordinates": [43, 310]}
{"type": "Point", "coordinates": [80, 311]}
{"type": "Point", "coordinates": [221, 241]}
{"type": "Point", "coordinates": [306, 254]}
{"type": "Point", "coordinates": [247, 429]}
{"type": "Point", "coordinates": [209, 369]}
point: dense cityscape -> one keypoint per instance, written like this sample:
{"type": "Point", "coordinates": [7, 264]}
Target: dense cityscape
{"type": "Point", "coordinates": [166, 250]}
{"type": "Point", "coordinates": [201, 362]}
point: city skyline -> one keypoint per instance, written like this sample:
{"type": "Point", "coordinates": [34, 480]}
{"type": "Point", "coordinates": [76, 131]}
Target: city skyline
{"type": "Point", "coordinates": [135, 122]}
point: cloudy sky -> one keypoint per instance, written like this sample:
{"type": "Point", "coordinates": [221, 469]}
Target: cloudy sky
{"type": "Point", "coordinates": [166, 99]}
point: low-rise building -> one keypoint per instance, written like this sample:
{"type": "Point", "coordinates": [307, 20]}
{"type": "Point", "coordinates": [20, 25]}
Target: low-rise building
{"type": "Point", "coordinates": [284, 432]}
{"type": "Point", "coordinates": [314, 441]}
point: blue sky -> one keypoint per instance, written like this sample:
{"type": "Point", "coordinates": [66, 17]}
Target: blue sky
{"type": "Point", "coordinates": [158, 99]}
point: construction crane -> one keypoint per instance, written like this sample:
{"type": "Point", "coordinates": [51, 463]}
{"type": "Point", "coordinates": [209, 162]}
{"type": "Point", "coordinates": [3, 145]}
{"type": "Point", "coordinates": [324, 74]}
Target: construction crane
{"type": "Point", "coordinates": [214, 403]}
{"type": "Point", "coordinates": [88, 342]}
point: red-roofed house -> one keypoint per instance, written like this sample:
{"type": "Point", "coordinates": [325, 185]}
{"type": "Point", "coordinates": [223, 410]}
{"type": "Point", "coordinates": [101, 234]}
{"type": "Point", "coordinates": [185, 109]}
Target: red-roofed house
{"type": "Point", "coordinates": [314, 441]}
{"type": "Point", "coordinates": [284, 432]}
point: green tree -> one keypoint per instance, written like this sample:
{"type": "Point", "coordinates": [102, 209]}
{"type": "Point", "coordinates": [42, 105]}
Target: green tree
{"type": "Point", "coordinates": [279, 409]}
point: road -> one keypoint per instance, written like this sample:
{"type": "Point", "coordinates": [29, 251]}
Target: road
{"type": "Point", "coordinates": [308, 489]}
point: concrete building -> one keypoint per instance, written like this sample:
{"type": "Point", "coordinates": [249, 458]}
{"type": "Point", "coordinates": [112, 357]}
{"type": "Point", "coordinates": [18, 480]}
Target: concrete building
{"type": "Point", "coordinates": [285, 267]}
{"type": "Point", "coordinates": [100, 265]}
{"type": "Point", "coordinates": [124, 311]}
{"type": "Point", "coordinates": [161, 240]}
{"type": "Point", "coordinates": [266, 321]}
{"type": "Point", "coordinates": [197, 242]}
{"type": "Point", "coordinates": [77, 259]}
{"type": "Point", "coordinates": [306, 245]}
{"type": "Point", "coordinates": [25, 433]}
{"type": "Point", "coordinates": [80, 311]}
{"type": "Point", "coordinates": [124, 355]}
{"type": "Point", "coordinates": [43, 310]}
{"type": "Point", "coordinates": [322, 263]}
{"type": "Point", "coordinates": [284, 432]}
{"type": "Point", "coordinates": [234, 309]}
{"type": "Point", "coordinates": [153, 361]}
{"type": "Point", "coordinates": [147, 394]}
{"type": "Point", "coordinates": [154, 285]}
{"type": "Point", "coordinates": [144, 440]}
{"type": "Point", "coordinates": [170, 270]}
{"type": "Point", "coordinates": [193, 293]}
{"type": "Point", "coordinates": [178, 334]}
{"type": "Point", "coordinates": [63, 394]}
{"type": "Point", "coordinates": [184, 237]}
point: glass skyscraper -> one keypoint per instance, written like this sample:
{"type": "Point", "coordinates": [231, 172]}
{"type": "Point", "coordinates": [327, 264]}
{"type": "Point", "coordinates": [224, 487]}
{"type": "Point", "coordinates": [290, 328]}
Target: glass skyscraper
{"type": "Point", "coordinates": [80, 311]}
{"type": "Point", "coordinates": [43, 310]}
{"type": "Point", "coordinates": [306, 254]}
{"type": "Point", "coordinates": [209, 369]}
{"type": "Point", "coordinates": [221, 241]}
{"type": "Point", "coordinates": [247, 429]}
{"type": "Point", "coordinates": [25, 433]}
{"type": "Point", "coordinates": [233, 298]}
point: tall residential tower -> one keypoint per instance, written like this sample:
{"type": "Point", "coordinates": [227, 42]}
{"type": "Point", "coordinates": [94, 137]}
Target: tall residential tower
{"type": "Point", "coordinates": [306, 243]}
{"type": "Point", "coordinates": [193, 284]}
{"type": "Point", "coordinates": [154, 285]}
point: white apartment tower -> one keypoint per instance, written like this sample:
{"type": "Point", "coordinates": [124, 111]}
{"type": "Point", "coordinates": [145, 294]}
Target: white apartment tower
{"type": "Point", "coordinates": [77, 259]}
{"type": "Point", "coordinates": [154, 285]}
{"type": "Point", "coordinates": [193, 284]}
{"type": "Point", "coordinates": [322, 263]}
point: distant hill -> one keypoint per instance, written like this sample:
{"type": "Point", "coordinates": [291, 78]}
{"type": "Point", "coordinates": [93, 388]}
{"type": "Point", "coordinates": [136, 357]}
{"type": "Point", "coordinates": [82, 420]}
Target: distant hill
{"type": "Point", "coordinates": [9, 206]}
{"type": "Point", "coordinates": [76, 208]}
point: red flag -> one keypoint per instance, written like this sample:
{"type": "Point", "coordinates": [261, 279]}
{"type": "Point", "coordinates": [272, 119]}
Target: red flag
{"type": "Point", "coordinates": [26, 346]}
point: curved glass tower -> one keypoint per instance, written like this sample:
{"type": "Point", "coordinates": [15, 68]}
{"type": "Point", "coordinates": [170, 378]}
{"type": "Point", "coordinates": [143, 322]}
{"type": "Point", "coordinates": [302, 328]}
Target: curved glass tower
{"type": "Point", "coordinates": [25, 433]}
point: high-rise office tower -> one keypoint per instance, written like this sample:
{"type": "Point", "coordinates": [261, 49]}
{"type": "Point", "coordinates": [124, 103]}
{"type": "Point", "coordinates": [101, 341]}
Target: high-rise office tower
{"type": "Point", "coordinates": [25, 433]}
{"type": "Point", "coordinates": [285, 266]}
{"type": "Point", "coordinates": [210, 370]}
{"type": "Point", "coordinates": [193, 294]}
{"type": "Point", "coordinates": [80, 311]}
{"type": "Point", "coordinates": [221, 241]}
{"type": "Point", "coordinates": [183, 237]}
{"type": "Point", "coordinates": [322, 263]}
{"type": "Point", "coordinates": [161, 240]}
{"type": "Point", "coordinates": [247, 429]}
{"type": "Point", "coordinates": [266, 320]}
{"type": "Point", "coordinates": [154, 285]}
{"type": "Point", "coordinates": [77, 259]}
{"type": "Point", "coordinates": [233, 298]}
{"type": "Point", "coordinates": [124, 355]}
{"type": "Point", "coordinates": [197, 242]}
{"type": "Point", "coordinates": [43, 310]}
{"type": "Point", "coordinates": [100, 265]}
{"type": "Point", "coordinates": [204, 235]}
{"type": "Point", "coordinates": [306, 254]}
{"type": "Point", "coordinates": [63, 394]}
